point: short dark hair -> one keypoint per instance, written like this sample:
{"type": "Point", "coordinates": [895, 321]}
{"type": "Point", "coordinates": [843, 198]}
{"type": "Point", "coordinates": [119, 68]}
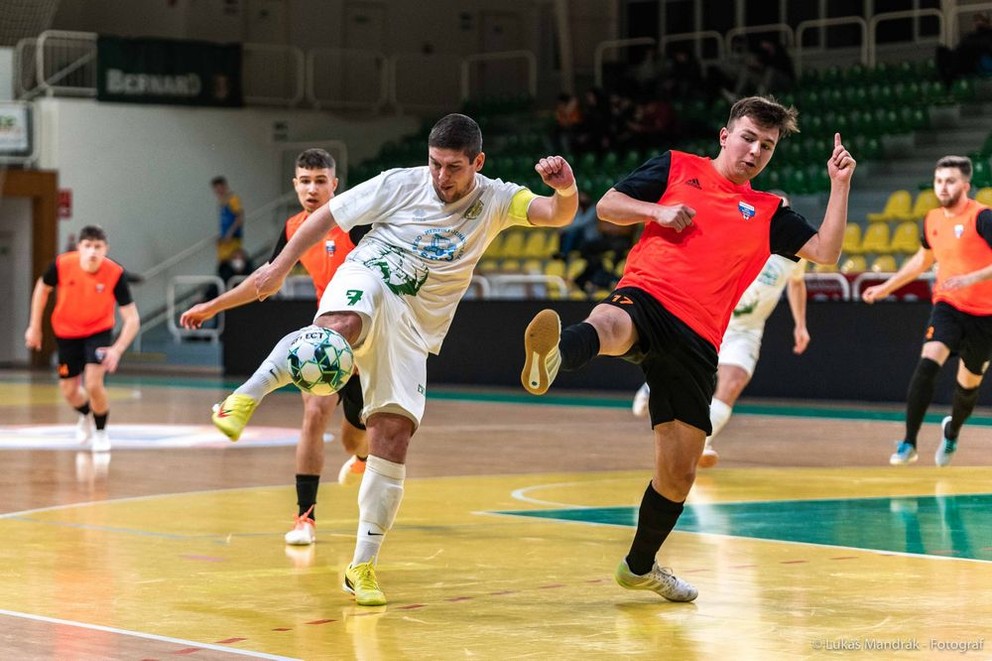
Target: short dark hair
{"type": "Point", "coordinates": [315, 159]}
{"type": "Point", "coordinates": [218, 180]}
{"type": "Point", "coordinates": [457, 132]}
{"type": "Point", "coordinates": [962, 163]}
{"type": "Point", "coordinates": [92, 233]}
{"type": "Point", "coordinates": [765, 111]}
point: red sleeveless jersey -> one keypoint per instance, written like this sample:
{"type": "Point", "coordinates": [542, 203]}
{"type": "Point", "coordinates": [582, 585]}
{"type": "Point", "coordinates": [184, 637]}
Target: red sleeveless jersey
{"type": "Point", "coordinates": [322, 259]}
{"type": "Point", "coordinates": [959, 249]}
{"type": "Point", "coordinates": [699, 274]}
{"type": "Point", "coordinates": [84, 302]}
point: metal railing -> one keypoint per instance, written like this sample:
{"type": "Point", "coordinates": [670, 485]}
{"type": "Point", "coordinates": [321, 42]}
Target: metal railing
{"type": "Point", "coordinates": [599, 54]}
{"type": "Point", "coordinates": [872, 56]}
{"type": "Point", "coordinates": [272, 75]}
{"type": "Point", "coordinates": [821, 24]}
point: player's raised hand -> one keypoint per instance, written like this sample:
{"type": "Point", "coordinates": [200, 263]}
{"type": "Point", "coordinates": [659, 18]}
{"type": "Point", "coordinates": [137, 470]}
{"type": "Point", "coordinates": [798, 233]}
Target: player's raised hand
{"type": "Point", "coordinates": [555, 172]}
{"type": "Point", "coordinates": [840, 166]}
{"type": "Point", "coordinates": [678, 217]}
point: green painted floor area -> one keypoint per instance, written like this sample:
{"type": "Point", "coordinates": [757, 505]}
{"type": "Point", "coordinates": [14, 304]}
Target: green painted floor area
{"type": "Point", "coordinates": [949, 526]}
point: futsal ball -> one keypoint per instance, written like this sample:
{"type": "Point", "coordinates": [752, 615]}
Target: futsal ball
{"type": "Point", "coordinates": [320, 361]}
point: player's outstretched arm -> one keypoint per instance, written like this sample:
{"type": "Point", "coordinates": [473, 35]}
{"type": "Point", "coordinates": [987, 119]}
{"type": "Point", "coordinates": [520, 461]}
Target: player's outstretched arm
{"type": "Point", "coordinates": [909, 271]}
{"type": "Point", "coordinates": [242, 294]}
{"type": "Point", "coordinates": [268, 279]}
{"type": "Point", "coordinates": [559, 209]}
{"type": "Point", "coordinates": [39, 297]}
{"type": "Point", "coordinates": [824, 247]}
{"type": "Point", "coordinates": [621, 209]}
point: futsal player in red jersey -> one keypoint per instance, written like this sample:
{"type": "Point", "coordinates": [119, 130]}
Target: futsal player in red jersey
{"type": "Point", "coordinates": [706, 235]}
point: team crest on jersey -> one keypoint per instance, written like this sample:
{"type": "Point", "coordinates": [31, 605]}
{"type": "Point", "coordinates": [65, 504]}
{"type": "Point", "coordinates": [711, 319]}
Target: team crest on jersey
{"type": "Point", "coordinates": [330, 247]}
{"type": "Point", "coordinates": [100, 287]}
{"type": "Point", "coordinates": [958, 231]}
{"type": "Point", "coordinates": [747, 211]}
{"type": "Point", "coordinates": [439, 245]}
{"type": "Point", "coordinates": [473, 211]}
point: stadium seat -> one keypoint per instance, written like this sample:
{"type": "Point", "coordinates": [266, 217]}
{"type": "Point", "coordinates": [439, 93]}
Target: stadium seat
{"type": "Point", "coordinates": [852, 239]}
{"type": "Point", "coordinates": [884, 264]}
{"type": "Point", "coordinates": [984, 196]}
{"type": "Point", "coordinates": [824, 268]}
{"type": "Point", "coordinates": [513, 244]}
{"type": "Point", "coordinates": [899, 206]}
{"type": "Point", "coordinates": [905, 238]}
{"type": "Point", "coordinates": [876, 239]}
{"type": "Point", "coordinates": [495, 249]}
{"type": "Point", "coordinates": [926, 200]}
{"type": "Point", "coordinates": [854, 264]}
{"type": "Point", "coordinates": [535, 245]}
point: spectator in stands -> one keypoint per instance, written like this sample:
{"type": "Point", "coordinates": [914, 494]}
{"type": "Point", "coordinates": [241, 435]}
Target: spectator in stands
{"type": "Point", "coordinates": [958, 236]}
{"type": "Point", "coordinates": [582, 230]}
{"type": "Point", "coordinates": [232, 220]}
{"type": "Point", "coordinates": [973, 54]}
{"type": "Point", "coordinates": [594, 132]}
{"type": "Point", "coordinates": [683, 75]}
{"type": "Point", "coordinates": [237, 264]}
{"type": "Point", "coordinates": [653, 124]}
{"type": "Point", "coordinates": [612, 241]}
{"type": "Point", "coordinates": [777, 71]}
{"type": "Point", "coordinates": [568, 119]}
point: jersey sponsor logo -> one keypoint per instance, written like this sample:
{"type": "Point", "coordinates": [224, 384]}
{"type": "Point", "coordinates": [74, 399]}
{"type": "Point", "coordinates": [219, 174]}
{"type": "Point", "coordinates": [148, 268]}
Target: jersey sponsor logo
{"type": "Point", "coordinates": [401, 275]}
{"type": "Point", "coordinates": [694, 183]}
{"type": "Point", "coordinates": [747, 211]}
{"type": "Point", "coordinates": [440, 245]}
{"type": "Point", "coordinates": [958, 231]}
{"type": "Point", "coordinates": [354, 295]}
{"type": "Point", "coordinates": [330, 247]}
{"type": "Point", "coordinates": [100, 287]}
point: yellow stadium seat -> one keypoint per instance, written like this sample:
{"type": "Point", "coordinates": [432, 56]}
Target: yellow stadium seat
{"type": "Point", "coordinates": [925, 201]}
{"type": "Point", "coordinates": [513, 244]}
{"type": "Point", "coordinates": [533, 266]}
{"type": "Point", "coordinates": [852, 238]}
{"type": "Point", "coordinates": [825, 268]}
{"type": "Point", "coordinates": [575, 267]}
{"type": "Point", "coordinates": [876, 238]}
{"type": "Point", "coordinates": [906, 238]}
{"type": "Point", "coordinates": [884, 264]}
{"type": "Point", "coordinates": [495, 249]}
{"type": "Point", "coordinates": [898, 207]}
{"type": "Point", "coordinates": [984, 196]}
{"type": "Point", "coordinates": [535, 244]}
{"type": "Point", "coordinates": [555, 267]}
{"type": "Point", "coordinates": [854, 264]}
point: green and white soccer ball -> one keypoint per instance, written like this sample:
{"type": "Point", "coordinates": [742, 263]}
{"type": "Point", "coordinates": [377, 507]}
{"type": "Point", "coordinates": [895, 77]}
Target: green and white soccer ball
{"type": "Point", "coordinates": [320, 361]}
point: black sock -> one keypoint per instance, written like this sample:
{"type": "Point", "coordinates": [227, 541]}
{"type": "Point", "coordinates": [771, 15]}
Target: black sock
{"type": "Point", "coordinates": [84, 409]}
{"type": "Point", "coordinates": [964, 403]}
{"type": "Point", "coordinates": [306, 494]}
{"type": "Point", "coordinates": [101, 420]}
{"type": "Point", "coordinates": [578, 345]}
{"type": "Point", "coordinates": [655, 520]}
{"type": "Point", "coordinates": [921, 388]}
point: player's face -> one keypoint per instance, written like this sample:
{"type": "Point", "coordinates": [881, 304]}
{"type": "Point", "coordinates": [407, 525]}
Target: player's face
{"type": "Point", "coordinates": [314, 187]}
{"type": "Point", "coordinates": [452, 173]}
{"type": "Point", "coordinates": [950, 186]}
{"type": "Point", "coordinates": [747, 147]}
{"type": "Point", "coordinates": [92, 252]}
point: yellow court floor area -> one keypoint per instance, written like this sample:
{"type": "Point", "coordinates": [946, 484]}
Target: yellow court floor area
{"type": "Point", "coordinates": [513, 520]}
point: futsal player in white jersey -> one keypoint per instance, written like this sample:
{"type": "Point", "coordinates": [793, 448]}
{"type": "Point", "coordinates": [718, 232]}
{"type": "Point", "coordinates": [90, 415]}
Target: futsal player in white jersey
{"type": "Point", "coordinates": [742, 340]}
{"type": "Point", "coordinates": [395, 296]}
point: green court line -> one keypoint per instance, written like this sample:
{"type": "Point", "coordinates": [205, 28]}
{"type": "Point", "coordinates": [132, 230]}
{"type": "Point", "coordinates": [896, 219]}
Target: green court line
{"type": "Point", "coordinates": [450, 393]}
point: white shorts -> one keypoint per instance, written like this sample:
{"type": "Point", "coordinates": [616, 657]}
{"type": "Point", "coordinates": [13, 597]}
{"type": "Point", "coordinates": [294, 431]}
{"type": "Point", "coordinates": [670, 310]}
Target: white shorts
{"type": "Point", "coordinates": [390, 355]}
{"type": "Point", "coordinates": [741, 348]}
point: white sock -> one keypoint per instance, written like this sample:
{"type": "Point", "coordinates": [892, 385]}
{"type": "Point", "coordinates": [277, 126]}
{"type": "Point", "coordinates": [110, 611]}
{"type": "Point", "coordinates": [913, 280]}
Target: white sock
{"type": "Point", "coordinates": [719, 415]}
{"type": "Point", "coordinates": [379, 500]}
{"type": "Point", "coordinates": [273, 373]}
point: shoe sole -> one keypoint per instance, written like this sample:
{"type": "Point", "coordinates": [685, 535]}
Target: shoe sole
{"type": "Point", "coordinates": [540, 339]}
{"type": "Point", "coordinates": [899, 462]}
{"type": "Point", "coordinates": [233, 434]}
{"type": "Point", "coordinates": [940, 454]}
{"type": "Point", "coordinates": [708, 460]}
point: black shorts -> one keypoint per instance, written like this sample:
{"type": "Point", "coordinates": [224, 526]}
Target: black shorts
{"type": "Point", "coordinates": [968, 335]}
{"type": "Point", "coordinates": [352, 401]}
{"type": "Point", "coordinates": [678, 364]}
{"type": "Point", "coordinates": [75, 353]}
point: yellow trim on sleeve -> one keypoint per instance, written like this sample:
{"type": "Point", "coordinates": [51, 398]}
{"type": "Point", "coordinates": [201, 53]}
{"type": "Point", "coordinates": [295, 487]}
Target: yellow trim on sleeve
{"type": "Point", "coordinates": [519, 205]}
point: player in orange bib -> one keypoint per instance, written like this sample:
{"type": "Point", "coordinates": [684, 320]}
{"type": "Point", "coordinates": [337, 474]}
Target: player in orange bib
{"type": "Point", "coordinates": [88, 286]}
{"type": "Point", "coordinates": [706, 236]}
{"type": "Point", "coordinates": [957, 235]}
{"type": "Point", "coordinates": [315, 182]}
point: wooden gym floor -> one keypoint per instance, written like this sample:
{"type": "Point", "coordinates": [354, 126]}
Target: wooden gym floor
{"type": "Point", "coordinates": [803, 542]}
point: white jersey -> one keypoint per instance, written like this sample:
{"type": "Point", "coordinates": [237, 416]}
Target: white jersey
{"type": "Point", "coordinates": [424, 249]}
{"type": "Point", "coordinates": [760, 298]}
